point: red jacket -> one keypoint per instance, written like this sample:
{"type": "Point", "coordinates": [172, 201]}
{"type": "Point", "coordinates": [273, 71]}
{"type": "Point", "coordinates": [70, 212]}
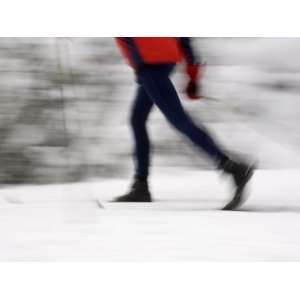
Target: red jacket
{"type": "Point", "coordinates": [155, 50]}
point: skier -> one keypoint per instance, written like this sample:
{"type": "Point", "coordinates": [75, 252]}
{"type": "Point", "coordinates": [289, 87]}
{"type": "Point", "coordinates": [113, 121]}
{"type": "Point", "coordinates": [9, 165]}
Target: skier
{"type": "Point", "coordinates": [153, 60]}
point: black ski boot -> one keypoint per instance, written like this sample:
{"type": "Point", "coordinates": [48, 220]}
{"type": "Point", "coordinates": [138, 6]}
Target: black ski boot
{"type": "Point", "coordinates": [139, 192]}
{"type": "Point", "coordinates": [241, 173]}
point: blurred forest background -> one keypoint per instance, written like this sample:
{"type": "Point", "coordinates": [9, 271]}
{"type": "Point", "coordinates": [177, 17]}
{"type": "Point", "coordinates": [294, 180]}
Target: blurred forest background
{"type": "Point", "coordinates": [64, 105]}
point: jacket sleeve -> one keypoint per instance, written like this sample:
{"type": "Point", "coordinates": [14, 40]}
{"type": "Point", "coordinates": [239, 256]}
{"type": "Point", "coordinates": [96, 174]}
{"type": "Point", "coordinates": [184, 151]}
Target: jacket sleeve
{"type": "Point", "coordinates": [190, 57]}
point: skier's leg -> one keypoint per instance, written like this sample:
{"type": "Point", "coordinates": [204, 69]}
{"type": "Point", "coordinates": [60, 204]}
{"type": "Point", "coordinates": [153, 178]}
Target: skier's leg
{"type": "Point", "coordinates": [155, 80]}
{"type": "Point", "coordinates": [139, 114]}
{"type": "Point", "coordinates": [140, 110]}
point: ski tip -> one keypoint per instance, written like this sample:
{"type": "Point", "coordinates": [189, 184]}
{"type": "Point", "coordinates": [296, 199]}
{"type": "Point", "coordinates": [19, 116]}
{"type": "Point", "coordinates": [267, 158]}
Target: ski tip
{"type": "Point", "coordinates": [100, 205]}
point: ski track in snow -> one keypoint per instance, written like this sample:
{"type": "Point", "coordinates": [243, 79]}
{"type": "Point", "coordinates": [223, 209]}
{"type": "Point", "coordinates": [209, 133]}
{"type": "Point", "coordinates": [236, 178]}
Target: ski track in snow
{"type": "Point", "coordinates": [65, 223]}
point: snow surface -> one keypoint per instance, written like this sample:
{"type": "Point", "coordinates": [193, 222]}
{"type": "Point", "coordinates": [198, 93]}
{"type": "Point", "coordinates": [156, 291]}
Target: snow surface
{"type": "Point", "coordinates": [65, 222]}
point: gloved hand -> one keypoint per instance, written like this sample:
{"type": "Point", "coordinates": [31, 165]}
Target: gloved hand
{"type": "Point", "coordinates": [195, 74]}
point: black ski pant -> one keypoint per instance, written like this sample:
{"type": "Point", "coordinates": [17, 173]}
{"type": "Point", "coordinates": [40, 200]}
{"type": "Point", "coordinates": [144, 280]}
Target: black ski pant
{"type": "Point", "coordinates": [156, 88]}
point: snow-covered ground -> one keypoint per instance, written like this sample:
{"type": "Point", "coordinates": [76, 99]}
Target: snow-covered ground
{"type": "Point", "coordinates": [65, 222]}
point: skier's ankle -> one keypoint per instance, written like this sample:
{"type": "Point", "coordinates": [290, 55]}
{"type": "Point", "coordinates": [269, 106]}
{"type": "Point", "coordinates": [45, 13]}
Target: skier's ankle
{"type": "Point", "coordinates": [141, 178]}
{"type": "Point", "coordinates": [222, 163]}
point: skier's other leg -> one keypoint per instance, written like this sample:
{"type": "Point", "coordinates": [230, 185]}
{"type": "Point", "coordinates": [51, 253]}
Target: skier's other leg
{"type": "Point", "coordinates": [139, 114]}
{"type": "Point", "coordinates": [155, 80]}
